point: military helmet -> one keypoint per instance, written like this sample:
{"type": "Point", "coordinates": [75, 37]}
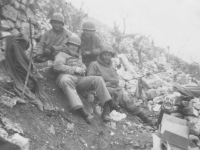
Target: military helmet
{"type": "Point", "coordinates": [74, 39]}
{"type": "Point", "coordinates": [58, 17]}
{"type": "Point", "coordinates": [107, 48]}
{"type": "Point", "coordinates": [89, 25]}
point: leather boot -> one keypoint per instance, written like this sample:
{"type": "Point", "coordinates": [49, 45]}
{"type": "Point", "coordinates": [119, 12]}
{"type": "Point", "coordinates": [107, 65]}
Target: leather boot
{"type": "Point", "coordinates": [106, 111]}
{"type": "Point", "coordinates": [87, 117]}
{"type": "Point", "coordinates": [145, 118]}
{"type": "Point", "coordinates": [114, 106]}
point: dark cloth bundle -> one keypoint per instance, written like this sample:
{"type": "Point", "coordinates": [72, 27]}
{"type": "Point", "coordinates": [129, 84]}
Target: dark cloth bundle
{"type": "Point", "coordinates": [17, 65]}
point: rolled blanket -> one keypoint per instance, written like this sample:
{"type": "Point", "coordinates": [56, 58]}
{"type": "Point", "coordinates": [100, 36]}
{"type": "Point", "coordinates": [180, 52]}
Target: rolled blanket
{"type": "Point", "coordinates": [17, 64]}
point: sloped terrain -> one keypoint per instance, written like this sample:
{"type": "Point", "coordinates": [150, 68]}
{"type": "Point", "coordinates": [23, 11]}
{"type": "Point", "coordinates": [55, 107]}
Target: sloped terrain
{"type": "Point", "coordinates": [67, 131]}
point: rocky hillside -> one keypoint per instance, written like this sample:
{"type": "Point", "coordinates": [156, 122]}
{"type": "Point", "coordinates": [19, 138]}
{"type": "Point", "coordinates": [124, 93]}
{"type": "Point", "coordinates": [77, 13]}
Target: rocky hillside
{"type": "Point", "coordinates": [22, 123]}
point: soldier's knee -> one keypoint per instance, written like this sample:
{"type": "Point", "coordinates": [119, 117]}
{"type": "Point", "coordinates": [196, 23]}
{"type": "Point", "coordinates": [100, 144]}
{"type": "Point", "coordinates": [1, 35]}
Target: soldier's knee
{"type": "Point", "coordinates": [99, 78]}
{"type": "Point", "coordinates": [65, 80]}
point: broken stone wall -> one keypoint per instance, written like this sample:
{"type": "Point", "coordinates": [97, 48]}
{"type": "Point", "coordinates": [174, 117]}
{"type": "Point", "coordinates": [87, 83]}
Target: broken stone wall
{"type": "Point", "coordinates": [15, 14]}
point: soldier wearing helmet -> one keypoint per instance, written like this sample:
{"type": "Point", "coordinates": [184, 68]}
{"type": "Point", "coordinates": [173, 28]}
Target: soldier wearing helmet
{"type": "Point", "coordinates": [90, 47]}
{"type": "Point", "coordinates": [72, 78]}
{"type": "Point", "coordinates": [103, 67]}
{"type": "Point", "coordinates": [53, 40]}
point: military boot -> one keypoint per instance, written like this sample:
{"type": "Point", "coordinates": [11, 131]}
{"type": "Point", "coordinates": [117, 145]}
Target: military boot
{"type": "Point", "coordinates": [106, 111]}
{"type": "Point", "coordinates": [145, 118]}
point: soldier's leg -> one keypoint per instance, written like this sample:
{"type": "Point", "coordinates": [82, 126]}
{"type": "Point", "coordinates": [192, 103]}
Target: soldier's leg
{"type": "Point", "coordinates": [67, 84]}
{"type": "Point", "coordinates": [94, 83]}
{"type": "Point", "coordinates": [97, 83]}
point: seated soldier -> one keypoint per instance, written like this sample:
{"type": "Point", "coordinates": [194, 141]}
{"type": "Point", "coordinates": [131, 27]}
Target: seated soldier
{"type": "Point", "coordinates": [103, 67]}
{"type": "Point", "coordinates": [72, 80]}
{"type": "Point", "coordinates": [90, 43]}
{"type": "Point", "coordinates": [17, 66]}
{"type": "Point", "coordinates": [52, 42]}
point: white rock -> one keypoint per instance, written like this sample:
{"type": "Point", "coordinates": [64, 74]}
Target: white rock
{"type": "Point", "coordinates": [20, 141]}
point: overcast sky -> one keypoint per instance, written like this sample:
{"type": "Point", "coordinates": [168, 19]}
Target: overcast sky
{"type": "Point", "coordinates": [174, 23]}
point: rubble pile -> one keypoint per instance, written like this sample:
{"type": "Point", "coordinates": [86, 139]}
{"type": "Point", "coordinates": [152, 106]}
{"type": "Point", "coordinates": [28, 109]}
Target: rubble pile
{"type": "Point", "coordinates": [145, 71]}
{"type": "Point", "coordinates": [157, 85]}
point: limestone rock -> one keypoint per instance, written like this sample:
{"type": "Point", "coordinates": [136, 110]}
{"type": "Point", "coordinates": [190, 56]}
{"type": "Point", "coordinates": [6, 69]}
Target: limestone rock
{"type": "Point", "coordinates": [4, 25]}
{"type": "Point", "coordinates": [10, 23]}
{"type": "Point", "coordinates": [10, 12]}
{"type": "Point", "coordinates": [196, 106]}
{"type": "Point", "coordinates": [23, 7]}
{"type": "Point", "coordinates": [21, 16]}
{"type": "Point", "coordinates": [15, 32]}
{"type": "Point", "coordinates": [24, 2]}
{"type": "Point", "coordinates": [4, 33]}
{"type": "Point", "coordinates": [30, 1]}
{"type": "Point", "coordinates": [17, 24]}
{"type": "Point", "coordinates": [4, 2]}
{"type": "Point", "coordinates": [16, 4]}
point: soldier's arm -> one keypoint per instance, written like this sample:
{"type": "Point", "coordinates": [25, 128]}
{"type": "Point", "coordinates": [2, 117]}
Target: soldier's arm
{"type": "Point", "coordinates": [60, 65]}
{"type": "Point", "coordinates": [63, 44]}
{"type": "Point", "coordinates": [92, 70]}
{"type": "Point", "coordinates": [96, 51]}
{"type": "Point", "coordinates": [41, 44]}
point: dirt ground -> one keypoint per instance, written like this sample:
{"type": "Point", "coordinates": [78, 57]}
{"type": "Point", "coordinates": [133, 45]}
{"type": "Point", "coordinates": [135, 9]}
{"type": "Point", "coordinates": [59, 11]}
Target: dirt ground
{"type": "Point", "coordinates": [67, 131]}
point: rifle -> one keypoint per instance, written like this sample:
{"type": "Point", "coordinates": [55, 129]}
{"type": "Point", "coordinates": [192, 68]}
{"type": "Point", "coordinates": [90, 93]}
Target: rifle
{"type": "Point", "coordinates": [30, 62]}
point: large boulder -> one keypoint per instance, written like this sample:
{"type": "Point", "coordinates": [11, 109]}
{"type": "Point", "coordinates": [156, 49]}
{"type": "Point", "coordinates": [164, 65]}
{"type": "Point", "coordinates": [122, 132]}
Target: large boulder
{"type": "Point", "coordinates": [23, 1]}
{"type": "Point", "coordinates": [4, 33]}
{"type": "Point", "coordinates": [17, 24]}
{"type": "Point", "coordinates": [16, 5]}
{"type": "Point", "coordinates": [14, 32]}
{"type": "Point", "coordinates": [5, 2]}
{"type": "Point", "coordinates": [196, 106]}
{"type": "Point", "coordinates": [21, 16]}
{"type": "Point", "coordinates": [10, 12]}
{"type": "Point", "coordinates": [5, 26]}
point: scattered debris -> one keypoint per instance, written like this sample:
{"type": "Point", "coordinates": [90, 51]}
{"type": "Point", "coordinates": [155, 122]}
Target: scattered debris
{"type": "Point", "coordinates": [98, 110]}
{"type": "Point", "coordinates": [9, 125]}
{"type": "Point", "coordinates": [70, 126]}
{"type": "Point", "coordinates": [111, 125]}
{"type": "Point", "coordinates": [11, 102]}
{"type": "Point", "coordinates": [116, 116]}
{"type": "Point", "coordinates": [52, 129]}
{"type": "Point", "coordinates": [83, 142]}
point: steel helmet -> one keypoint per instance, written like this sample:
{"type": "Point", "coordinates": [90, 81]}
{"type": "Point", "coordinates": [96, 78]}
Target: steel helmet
{"type": "Point", "coordinates": [58, 17]}
{"type": "Point", "coordinates": [107, 48]}
{"type": "Point", "coordinates": [89, 25]}
{"type": "Point", "coordinates": [74, 39]}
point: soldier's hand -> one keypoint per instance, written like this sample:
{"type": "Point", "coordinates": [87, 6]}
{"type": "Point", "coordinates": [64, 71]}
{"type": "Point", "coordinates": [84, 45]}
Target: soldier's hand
{"type": "Point", "coordinates": [86, 53]}
{"type": "Point", "coordinates": [47, 51]}
{"type": "Point", "coordinates": [79, 70]}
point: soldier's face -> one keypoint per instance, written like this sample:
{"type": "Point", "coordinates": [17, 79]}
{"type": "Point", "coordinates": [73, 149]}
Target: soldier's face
{"type": "Point", "coordinates": [73, 47]}
{"type": "Point", "coordinates": [88, 33]}
{"type": "Point", "coordinates": [56, 25]}
{"type": "Point", "coordinates": [106, 56]}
